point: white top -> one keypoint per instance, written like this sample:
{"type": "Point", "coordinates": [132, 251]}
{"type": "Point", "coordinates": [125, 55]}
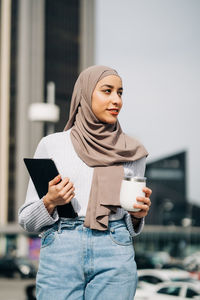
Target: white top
{"type": "Point", "coordinates": [33, 215]}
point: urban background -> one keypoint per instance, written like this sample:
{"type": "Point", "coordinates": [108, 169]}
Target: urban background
{"type": "Point", "coordinates": [155, 46]}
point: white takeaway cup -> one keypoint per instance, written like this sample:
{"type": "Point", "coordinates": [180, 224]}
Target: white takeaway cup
{"type": "Point", "coordinates": [131, 188]}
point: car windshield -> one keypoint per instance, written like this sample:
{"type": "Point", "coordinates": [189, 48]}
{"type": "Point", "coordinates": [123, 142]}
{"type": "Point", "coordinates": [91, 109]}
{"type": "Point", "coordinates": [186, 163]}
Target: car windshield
{"type": "Point", "coordinates": [173, 291]}
{"type": "Point", "coordinates": [191, 293]}
{"type": "Point", "coordinates": [150, 279]}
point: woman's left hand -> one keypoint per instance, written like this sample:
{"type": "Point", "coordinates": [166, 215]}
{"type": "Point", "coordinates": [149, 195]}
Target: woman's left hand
{"type": "Point", "coordinates": [144, 206]}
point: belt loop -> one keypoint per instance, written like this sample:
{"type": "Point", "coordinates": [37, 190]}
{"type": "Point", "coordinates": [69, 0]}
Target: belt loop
{"type": "Point", "coordinates": [112, 230]}
{"type": "Point", "coordinates": [59, 226]}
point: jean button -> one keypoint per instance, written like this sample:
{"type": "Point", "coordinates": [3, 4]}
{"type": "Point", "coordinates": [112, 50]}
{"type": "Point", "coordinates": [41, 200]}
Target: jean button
{"type": "Point", "coordinates": [112, 230]}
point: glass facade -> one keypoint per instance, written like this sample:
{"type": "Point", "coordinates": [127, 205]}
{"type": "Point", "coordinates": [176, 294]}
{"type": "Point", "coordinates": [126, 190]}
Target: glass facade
{"type": "Point", "coordinates": [62, 52]}
{"type": "Point", "coordinates": [167, 179]}
{"type": "Point", "coordinates": [170, 206]}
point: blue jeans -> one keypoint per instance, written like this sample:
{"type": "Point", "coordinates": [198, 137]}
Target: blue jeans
{"type": "Point", "coordinates": [77, 263]}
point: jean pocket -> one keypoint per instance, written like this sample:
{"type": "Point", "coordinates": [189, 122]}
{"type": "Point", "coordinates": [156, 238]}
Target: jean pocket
{"type": "Point", "coordinates": [121, 236]}
{"type": "Point", "coordinates": [48, 237]}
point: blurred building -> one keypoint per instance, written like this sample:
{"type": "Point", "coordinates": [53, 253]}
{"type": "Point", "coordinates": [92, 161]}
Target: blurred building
{"type": "Point", "coordinates": [170, 206]}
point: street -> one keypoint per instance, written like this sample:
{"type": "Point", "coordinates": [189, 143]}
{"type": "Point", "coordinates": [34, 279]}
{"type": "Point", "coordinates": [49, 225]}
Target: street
{"type": "Point", "coordinates": [14, 289]}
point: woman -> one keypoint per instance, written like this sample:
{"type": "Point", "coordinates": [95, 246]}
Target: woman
{"type": "Point", "coordinates": [90, 256]}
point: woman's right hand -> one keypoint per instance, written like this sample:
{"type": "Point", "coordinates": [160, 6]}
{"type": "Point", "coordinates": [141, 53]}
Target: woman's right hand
{"type": "Point", "coordinates": [59, 193]}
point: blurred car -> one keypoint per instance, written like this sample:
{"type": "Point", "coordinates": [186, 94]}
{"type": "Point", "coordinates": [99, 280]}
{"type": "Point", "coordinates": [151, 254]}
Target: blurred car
{"type": "Point", "coordinates": [17, 267]}
{"type": "Point", "coordinates": [155, 276]}
{"type": "Point", "coordinates": [151, 260]}
{"type": "Point", "coordinates": [168, 291]}
{"type": "Point", "coordinates": [192, 261]}
{"type": "Point", "coordinates": [144, 261]}
{"type": "Point", "coordinates": [192, 264]}
{"type": "Point", "coordinates": [173, 266]}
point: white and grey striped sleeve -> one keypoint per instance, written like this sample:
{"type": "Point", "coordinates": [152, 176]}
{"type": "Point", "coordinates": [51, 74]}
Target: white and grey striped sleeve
{"type": "Point", "coordinates": [33, 215]}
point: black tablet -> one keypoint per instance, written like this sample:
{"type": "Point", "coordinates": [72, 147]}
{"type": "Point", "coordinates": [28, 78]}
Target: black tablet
{"type": "Point", "coordinates": [41, 171]}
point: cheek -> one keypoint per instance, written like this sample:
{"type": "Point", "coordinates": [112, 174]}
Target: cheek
{"type": "Point", "coordinates": [98, 102]}
{"type": "Point", "coordinates": [121, 104]}
{"type": "Point", "coordinates": [96, 107]}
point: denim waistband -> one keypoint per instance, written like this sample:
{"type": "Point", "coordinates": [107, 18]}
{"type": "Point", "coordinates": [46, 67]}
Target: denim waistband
{"type": "Point", "coordinates": [62, 222]}
{"type": "Point", "coordinates": [82, 219]}
{"type": "Point", "coordinates": [112, 223]}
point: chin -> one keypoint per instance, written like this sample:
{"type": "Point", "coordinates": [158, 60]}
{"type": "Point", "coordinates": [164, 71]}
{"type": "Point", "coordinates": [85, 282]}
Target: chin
{"type": "Point", "coordinates": [110, 121]}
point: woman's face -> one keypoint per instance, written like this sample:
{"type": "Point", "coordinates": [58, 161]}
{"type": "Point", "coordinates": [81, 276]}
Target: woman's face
{"type": "Point", "coordinates": [107, 99]}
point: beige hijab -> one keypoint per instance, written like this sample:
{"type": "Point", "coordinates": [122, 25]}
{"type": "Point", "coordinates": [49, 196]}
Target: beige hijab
{"type": "Point", "coordinates": [100, 145]}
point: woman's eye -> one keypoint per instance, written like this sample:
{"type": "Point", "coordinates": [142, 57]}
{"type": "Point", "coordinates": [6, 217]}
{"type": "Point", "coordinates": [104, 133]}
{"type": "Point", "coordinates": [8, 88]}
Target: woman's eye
{"type": "Point", "coordinates": [120, 93]}
{"type": "Point", "coordinates": [108, 91]}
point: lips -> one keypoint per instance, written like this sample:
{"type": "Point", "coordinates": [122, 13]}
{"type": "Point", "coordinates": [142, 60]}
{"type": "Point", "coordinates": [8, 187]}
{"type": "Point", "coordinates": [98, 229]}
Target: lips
{"type": "Point", "coordinates": [113, 111]}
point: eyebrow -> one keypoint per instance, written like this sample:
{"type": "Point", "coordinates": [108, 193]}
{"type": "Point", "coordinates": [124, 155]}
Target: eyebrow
{"type": "Point", "coordinates": [110, 86]}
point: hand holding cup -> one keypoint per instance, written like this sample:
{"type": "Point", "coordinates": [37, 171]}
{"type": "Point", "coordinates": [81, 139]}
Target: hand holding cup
{"type": "Point", "coordinates": [143, 204]}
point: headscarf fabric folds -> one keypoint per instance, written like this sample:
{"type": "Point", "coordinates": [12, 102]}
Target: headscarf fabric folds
{"type": "Point", "coordinates": [100, 145]}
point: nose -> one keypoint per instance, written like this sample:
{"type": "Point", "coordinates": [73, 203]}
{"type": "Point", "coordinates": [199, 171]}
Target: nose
{"type": "Point", "coordinates": [116, 99]}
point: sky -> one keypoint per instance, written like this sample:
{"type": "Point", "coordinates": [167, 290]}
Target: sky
{"type": "Point", "coordinates": [155, 47]}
